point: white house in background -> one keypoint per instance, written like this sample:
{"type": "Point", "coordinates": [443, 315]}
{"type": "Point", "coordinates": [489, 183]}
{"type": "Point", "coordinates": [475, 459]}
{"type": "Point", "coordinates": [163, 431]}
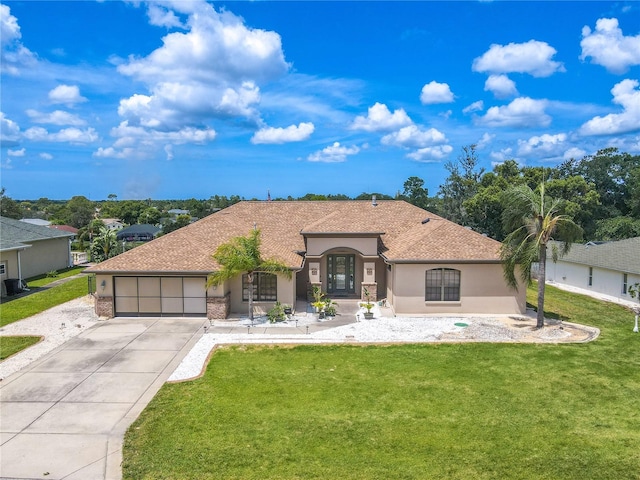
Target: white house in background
{"type": "Point", "coordinates": [114, 224]}
{"type": "Point", "coordinates": [607, 268]}
{"type": "Point", "coordinates": [37, 221]}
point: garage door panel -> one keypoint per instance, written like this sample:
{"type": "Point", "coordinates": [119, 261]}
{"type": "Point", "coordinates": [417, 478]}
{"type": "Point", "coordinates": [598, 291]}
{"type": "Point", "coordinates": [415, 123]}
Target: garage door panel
{"type": "Point", "coordinates": [149, 286]}
{"type": "Point", "coordinates": [195, 287]}
{"type": "Point", "coordinates": [126, 305]}
{"type": "Point", "coordinates": [172, 305]}
{"type": "Point", "coordinates": [150, 305]}
{"type": "Point", "coordinates": [171, 287]}
{"type": "Point", "coordinates": [195, 305]}
{"type": "Point", "coordinates": [127, 286]}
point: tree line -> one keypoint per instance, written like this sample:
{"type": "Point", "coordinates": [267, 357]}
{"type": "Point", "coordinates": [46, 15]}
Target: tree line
{"type": "Point", "coordinates": [601, 193]}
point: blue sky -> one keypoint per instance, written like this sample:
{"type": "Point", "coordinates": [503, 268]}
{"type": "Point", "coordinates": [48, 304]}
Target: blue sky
{"type": "Point", "coordinates": [181, 99]}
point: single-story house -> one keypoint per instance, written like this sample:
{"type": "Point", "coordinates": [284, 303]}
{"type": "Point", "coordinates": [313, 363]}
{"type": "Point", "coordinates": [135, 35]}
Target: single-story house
{"type": "Point", "coordinates": [608, 268]}
{"type": "Point", "coordinates": [27, 250]}
{"type": "Point", "coordinates": [113, 223]}
{"type": "Point", "coordinates": [138, 233]}
{"type": "Point", "coordinates": [37, 221]}
{"type": "Point", "coordinates": [418, 262]}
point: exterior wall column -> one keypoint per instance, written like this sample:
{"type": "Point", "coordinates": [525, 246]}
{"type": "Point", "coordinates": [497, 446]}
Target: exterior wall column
{"type": "Point", "coordinates": [369, 282]}
{"type": "Point", "coordinates": [104, 306]}
{"type": "Point", "coordinates": [219, 307]}
{"type": "Point", "coordinates": [314, 275]}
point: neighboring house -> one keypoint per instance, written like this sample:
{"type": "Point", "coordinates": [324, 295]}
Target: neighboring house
{"type": "Point", "coordinates": [27, 250]}
{"type": "Point", "coordinates": [36, 221]}
{"type": "Point", "coordinates": [419, 262]}
{"type": "Point", "coordinates": [113, 223]}
{"type": "Point", "coordinates": [174, 212]}
{"type": "Point", "coordinates": [138, 233]}
{"type": "Point", "coordinates": [608, 268]}
{"type": "Point", "coordinates": [66, 228]}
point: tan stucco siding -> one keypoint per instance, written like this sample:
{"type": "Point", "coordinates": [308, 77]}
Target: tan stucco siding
{"type": "Point", "coordinates": [482, 290]}
{"type": "Point", "coordinates": [320, 245]}
{"type": "Point", "coordinates": [41, 257]}
{"type": "Point", "coordinates": [286, 295]}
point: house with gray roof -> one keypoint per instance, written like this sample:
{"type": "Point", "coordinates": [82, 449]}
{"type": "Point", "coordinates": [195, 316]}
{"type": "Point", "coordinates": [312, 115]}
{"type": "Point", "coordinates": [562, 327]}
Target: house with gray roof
{"type": "Point", "coordinates": [27, 250]}
{"type": "Point", "coordinates": [607, 268]}
{"type": "Point", "coordinates": [417, 262]}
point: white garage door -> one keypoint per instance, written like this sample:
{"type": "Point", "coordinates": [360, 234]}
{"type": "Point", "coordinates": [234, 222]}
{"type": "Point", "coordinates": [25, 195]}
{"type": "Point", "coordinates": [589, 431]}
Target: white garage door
{"type": "Point", "coordinates": [161, 296]}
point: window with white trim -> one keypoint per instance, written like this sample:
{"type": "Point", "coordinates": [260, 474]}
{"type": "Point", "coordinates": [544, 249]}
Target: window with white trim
{"type": "Point", "coordinates": [3, 269]}
{"type": "Point", "coordinates": [625, 283]}
{"type": "Point", "coordinates": [442, 285]}
{"type": "Point", "coordinates": [265, 287]}
{"type": "Point", "coordinates": [590, 276]}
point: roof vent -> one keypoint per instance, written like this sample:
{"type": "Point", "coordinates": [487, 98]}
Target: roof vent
{"type": "Point", "coordinates": [374, 201]}
{"type": "Point", "coordinates": [426, 220]}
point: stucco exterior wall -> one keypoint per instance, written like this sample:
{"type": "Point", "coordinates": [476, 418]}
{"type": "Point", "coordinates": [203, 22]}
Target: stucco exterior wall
{"type": "Point", "coordinates": [604, 281]}
{"type": "Point", "coordinates": [321, 245]}
{"type": "Point", "coordinates": [44, 256]}
{"type": "Point", "coordinates": [286, 295]}
{"type": "Point", "coordinates": [482, 290]}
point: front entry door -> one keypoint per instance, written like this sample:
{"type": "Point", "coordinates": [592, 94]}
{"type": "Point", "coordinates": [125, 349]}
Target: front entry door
{"type": "Point", "coordinates": [341, 274]}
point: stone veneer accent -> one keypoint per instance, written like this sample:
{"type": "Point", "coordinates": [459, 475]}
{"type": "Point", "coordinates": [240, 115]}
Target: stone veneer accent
{"type": "Point", "coordinates": [219, 307]}
{"type": "Point", "coordinates": [373, 291]}
{"type": "Point", "coordinates": [104, 306]}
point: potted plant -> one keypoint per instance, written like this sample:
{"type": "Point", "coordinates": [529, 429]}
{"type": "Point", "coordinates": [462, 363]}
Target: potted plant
{"type": "Point", "coordinates": [330, 307]}
{"type": "Point", "coordinates": [318, 301]}
{"type": "Point", "coordinates": [367, 305]}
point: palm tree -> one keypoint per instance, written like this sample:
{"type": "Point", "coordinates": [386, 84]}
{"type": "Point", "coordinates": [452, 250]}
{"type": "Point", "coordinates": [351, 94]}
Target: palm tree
{"type": "Point", "coordinates": [533, 220]}
{"type": "Point", "coordinates": [104, 246]}
{"type": "Point", "coordinates": [241, 255]}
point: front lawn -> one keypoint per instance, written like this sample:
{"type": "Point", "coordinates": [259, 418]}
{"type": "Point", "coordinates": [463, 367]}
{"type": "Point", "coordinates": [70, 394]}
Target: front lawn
{"type": "Point", "coordinates": [42, 280]}
{"type": "Point", "coordinates": [454, 411]}
{"type": "Point", "coordinates": [12, 345]}
{"type": "Point", "coordinates": [37, 302]}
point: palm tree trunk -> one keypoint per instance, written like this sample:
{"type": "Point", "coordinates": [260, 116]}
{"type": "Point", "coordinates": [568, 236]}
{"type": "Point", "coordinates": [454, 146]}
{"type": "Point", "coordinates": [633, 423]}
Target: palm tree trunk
{"type": "Point", "coordinates": [250, 280]}
{"type": "Point", "coordinates": [542, 274]}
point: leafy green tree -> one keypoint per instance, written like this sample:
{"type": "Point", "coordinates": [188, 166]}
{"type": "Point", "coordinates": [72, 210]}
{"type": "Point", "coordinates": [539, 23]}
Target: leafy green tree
{"type": "Point", "coordinates": [78, 212]}
{"type": "Point", "coordinates": [8, 207]}
{"type": "Point", "coordinates": [241, 255]}
{"type": "Point", "coordinates": [105, 245]}
{"type": "Point", "coordinates": [150, 215]}
{"type": "Point", "coordinates": [169, 225]}
{"type": "Point", "coordinates": [415, 193]}
{"type": "Point", "coordinates": [461, 184]}
{"type": "Point", "coordinates": [617, 228]}
{"type": "Point", "coordinates": [130, 210]}
{"type": "Point", "coordinates": [533, 219]}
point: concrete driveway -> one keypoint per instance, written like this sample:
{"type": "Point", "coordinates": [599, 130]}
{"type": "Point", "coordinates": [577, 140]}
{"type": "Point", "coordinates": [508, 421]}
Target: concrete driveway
{"type": "Point", "coordinates": [64, 416]}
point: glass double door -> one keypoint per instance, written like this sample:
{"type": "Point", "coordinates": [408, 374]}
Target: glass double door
{"type": "Point", "coordinates": [341, 274]}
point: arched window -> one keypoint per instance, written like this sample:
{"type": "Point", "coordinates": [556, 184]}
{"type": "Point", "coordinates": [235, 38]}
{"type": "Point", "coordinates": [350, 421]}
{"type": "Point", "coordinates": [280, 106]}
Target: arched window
{"type": "Point", "coordinates": [442, 285]}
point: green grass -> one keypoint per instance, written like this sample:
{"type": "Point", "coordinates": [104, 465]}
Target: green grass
{"type": "Point", "coordinates": [450, 411]}
{"type": "Point", "coordinates": [12, 345]}
{"type": "Point", "coordinates": [29, 305]}
{"type": "Point", "coordinates": [42, 280]}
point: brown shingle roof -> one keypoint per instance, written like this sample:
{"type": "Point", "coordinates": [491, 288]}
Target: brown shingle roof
{"type": "Point", "coordinates": [403, 235]}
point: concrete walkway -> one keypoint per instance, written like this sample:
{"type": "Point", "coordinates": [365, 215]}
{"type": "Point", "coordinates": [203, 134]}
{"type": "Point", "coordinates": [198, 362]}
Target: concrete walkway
{"type": "Point", "coordinates": [64, 416]}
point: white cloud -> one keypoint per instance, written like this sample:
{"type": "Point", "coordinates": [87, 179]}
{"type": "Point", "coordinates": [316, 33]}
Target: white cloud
{"type": "Point", "coordinates": [292, 133]}
{"type": "Point", "coordinates": [435, 92]}
{"type": "Point", "coordinates": [431, 154]}
{"type": "Point", "coordinates": [9, 130]}
{"type": "Point", "coordinates": [333, 153]}
{"type": "Point", "coordinates": [485, 140]}
{"type": "Point", "coordinates": [70, 135]}
{"type": "Point", "coordinates": [412, 136]}
{"type": "Point", "coordinates": [213, 70]}
{"type": "Point", "coordinates": [501, 86]}
{"type": "Point", "coordinates": [129, 135]}
{"type": "Point", "coordinates": [474, 107]}
{"type": "Point", "coordinates": [17, 153]}
{"type": "Point", "coordinates": [543, 146]}
{"type": "Point", "coordinates": [111, 152]}
{"type": "Point", "coordinates": [521, 112]}
{"type": "Point", "coordinates": [574, 152]}
{"type": "Point", "coordinates": [14, 56]}
{"type": "Point", "coordinates": [57, 117]}
{"type": "Point", "coordinates": [607, 46]}
{"type": "Point", "coordinates": [161, 17]}
{"type": "Point", "coordinates": [66, 94]}
{"type": "Point", "coordinates": [626, 94]}
{"type": "Point", "coordinates": [168, 150]}
{"type": "Point", "coordinates": [46, 156]}
{"type": "Point", "coordinates": [532, 57]}
{"type": "Point", "coordinates": [501, 156]}
{"type": "Point", "coordinates": [379, 118]}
